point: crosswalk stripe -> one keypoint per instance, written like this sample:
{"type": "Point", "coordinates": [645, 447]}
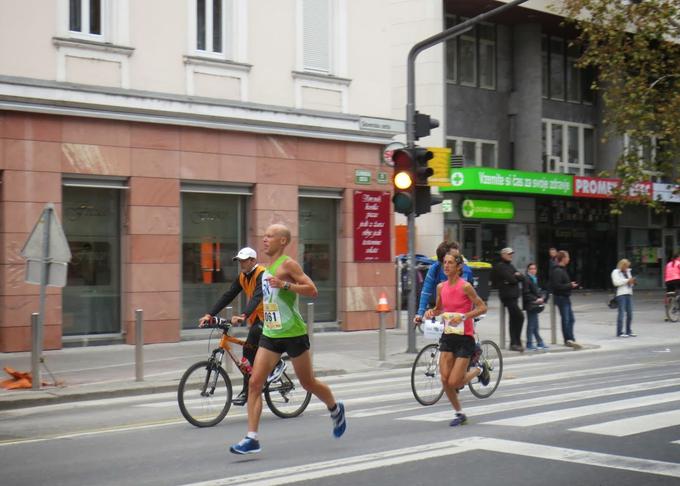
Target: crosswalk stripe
{"type": "Point", "coordinates": [633, 425]}
{"type": "Point", "coordinates": [576, 412]}
{"type": "Point", "coordinates": [542, 400]}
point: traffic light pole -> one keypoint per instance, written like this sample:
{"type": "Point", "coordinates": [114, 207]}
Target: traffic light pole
{"type": "Point", "coordinates": [454, 31]}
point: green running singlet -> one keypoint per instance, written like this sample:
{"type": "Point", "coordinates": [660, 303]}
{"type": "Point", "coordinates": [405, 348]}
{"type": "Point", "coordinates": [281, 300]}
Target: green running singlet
{"type": "Point", "coordinates": [282, 318]}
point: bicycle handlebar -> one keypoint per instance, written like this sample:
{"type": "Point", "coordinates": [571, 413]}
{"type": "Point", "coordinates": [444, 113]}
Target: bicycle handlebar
{"type": "Point", "coordinates": [220, 323]}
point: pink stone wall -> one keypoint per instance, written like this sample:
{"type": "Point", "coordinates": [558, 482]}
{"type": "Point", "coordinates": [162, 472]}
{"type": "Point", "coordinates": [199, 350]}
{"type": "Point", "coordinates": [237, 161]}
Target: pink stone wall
{"type": "Point", "coordinates": [37, 150]}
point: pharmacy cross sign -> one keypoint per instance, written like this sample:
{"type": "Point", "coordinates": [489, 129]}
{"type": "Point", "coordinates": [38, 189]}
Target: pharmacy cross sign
{"type": "Point", "coordinates": [468, 208]}
{"type": "Point", "coordinates": [457, 179]}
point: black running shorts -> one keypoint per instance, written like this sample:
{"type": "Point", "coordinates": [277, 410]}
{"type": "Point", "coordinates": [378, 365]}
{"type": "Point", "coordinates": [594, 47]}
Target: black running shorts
{"type": "Point", "coordinates": [294, 346]}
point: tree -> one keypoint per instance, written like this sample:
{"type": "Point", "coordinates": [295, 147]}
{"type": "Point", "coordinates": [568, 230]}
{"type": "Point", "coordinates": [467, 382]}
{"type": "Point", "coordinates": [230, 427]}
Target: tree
{"type": "Point", "coordinates": [634, 45]}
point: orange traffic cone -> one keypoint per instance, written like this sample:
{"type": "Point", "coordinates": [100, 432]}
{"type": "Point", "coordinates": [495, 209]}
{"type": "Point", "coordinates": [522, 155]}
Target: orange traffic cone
{"type": "Point", "coordinates": [383, 306]}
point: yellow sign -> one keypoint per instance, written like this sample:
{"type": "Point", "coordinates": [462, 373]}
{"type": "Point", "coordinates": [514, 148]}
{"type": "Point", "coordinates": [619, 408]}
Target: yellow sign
{"type": "Point", "coordinates": [441, 165]}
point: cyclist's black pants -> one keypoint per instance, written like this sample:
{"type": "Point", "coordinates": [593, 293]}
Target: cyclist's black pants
{"type": "Point", "coordinates": [252, 340]}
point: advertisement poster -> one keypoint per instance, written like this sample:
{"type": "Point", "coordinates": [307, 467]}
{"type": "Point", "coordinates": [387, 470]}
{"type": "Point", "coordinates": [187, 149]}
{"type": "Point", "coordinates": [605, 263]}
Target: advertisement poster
{"type": "Point", "coordinates": [372, 226]}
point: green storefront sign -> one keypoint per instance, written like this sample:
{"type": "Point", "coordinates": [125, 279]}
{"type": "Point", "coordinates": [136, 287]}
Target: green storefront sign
{"type": "Point", "coordinates": [484, 209]}
{"type": "Point", "coordinates": [503, 180]}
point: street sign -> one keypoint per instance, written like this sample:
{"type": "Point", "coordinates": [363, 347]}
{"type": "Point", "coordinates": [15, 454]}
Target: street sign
{"type": "Point", "coordinates": [485, 209]}
{"type": "Point", "coordinates": [48, 246]}
{"type": "Point", "coordinates": [382, 178]}
{"type": "Point", "coordinates": [362, 176]}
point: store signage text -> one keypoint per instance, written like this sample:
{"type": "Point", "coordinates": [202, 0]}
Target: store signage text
{"type": "Point", "coordinates": [666, 193]}
{"type": "Point", "coordinates": [372, 226]}
{"type": "Point", "coordinates": [503, 180]}
{"type": "Point", "coordinates": [485, 209]}
{"type": "Point", "coordinates": [601, 188]}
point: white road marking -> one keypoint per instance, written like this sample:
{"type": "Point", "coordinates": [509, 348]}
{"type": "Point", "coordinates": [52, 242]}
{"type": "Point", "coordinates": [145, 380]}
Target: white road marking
{"type": "Point", "coordinates": [577, 412]}
{"type": "Point", "coordinates": [542, 400]}
{"type": "Point", "coordinates": [634, 425]}
{"type": "Point", "coordinates": [365, 462]}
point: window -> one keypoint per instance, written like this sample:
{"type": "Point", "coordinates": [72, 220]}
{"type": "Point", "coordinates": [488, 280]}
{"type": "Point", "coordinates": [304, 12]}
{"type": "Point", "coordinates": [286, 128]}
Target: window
{"type": "Point", "coordinates": [85, 17]}
{"type": "Point", "coordinates": [562, 79]}
{"type": "Point", "coordinates": [475, 152]}
{"type": "Point", "coordinates": [471, 57]}
{"type": "Point", "coordinates": [648, 154]}
{"type": "Point", "coordinates": [568, 148]}
{"type": "Point", "coordinates": [213, 27]}
{"type": "Point", "coordinates": [317, 34]}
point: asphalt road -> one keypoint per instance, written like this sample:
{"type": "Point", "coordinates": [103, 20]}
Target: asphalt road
{"type": "Point", "coordinates": [588, 417]}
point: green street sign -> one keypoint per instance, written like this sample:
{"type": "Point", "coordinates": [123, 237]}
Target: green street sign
{"type": "Point", "coordinates": [362, 176]}
{"type": "Point", "coordinates": [447, 206]}
{"type": "Point", "coordinates": [485, 209]}
{"type": "Point", "coordinates": [382, 178]}
{"type": "Point", "coordinates": [503, 180]}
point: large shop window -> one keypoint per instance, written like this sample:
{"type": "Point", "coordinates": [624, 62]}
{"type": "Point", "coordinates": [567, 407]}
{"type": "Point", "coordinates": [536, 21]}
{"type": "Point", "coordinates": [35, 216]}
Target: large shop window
{"type": "Point", "coordinates": [475, 152]}
{"type": "Point", "coordinates": [318, 251]}
{"type": "Point", "coordinates": [471, 57]}
{"type": "Point", "coordinates": [563, 80]}
{"type": "Point", "coordinates": [568, 148]}
{"type": "Point", "coordinates": [91, 297]}
{"type": "Point", "coordinates": [212, 233]}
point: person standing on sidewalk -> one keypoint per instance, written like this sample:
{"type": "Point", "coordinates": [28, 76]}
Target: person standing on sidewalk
{"type": "Point", "coordinates": [561, 286]}
{"type": "Point", "coordinates": [249, 281]}
{"type": "Point", "coordinates": [459, 304]}
{"type": "Point", "coordinates": [508, 280]}
{"type": "Point", "coordinates": [284, 332]}
{"type": "Point", "coordinates": [533, 303]}
{"type": "Point", "coordinates": [623, 280]}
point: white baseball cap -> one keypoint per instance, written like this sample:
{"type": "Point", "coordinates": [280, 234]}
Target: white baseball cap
{"type": "Point", "coordinates": [245, 253]}
{"type": "Point", "coordinates": [507, 251]}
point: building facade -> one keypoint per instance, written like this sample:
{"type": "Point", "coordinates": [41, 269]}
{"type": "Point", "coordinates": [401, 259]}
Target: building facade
{"type": "Point", "coordinates": [167, 145]}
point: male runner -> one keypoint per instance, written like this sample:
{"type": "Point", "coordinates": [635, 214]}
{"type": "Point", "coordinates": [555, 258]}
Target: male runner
{"type": "Point", "coordinates": [284, 332]}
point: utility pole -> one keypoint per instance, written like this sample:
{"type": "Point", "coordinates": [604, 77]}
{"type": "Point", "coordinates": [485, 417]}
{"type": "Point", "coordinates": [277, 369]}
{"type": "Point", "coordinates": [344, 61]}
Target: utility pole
{"type": "Point", "coordinates": [454, 31]}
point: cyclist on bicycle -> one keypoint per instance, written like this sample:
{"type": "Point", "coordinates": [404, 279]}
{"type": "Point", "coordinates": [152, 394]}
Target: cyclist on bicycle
{"type": "Point", "coordinates": [436, 275]}
{"type": "Point", "coordinates": [250, 281]}
{"type": "Point", "coordinates": [459, 304]}
{"type": "Point", "coordinates": [672, 274]}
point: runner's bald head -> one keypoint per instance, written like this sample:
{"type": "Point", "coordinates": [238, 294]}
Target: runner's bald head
{"type": "Point", "coordinates": [281, 231]}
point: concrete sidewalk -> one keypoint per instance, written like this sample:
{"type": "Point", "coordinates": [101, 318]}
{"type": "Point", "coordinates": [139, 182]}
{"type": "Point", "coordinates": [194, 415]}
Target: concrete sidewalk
{"type": "Point", "coordinates": [108, 371]}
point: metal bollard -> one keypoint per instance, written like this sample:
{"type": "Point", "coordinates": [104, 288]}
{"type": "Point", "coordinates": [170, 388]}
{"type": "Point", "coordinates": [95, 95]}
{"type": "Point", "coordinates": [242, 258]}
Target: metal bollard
{"type": "Point", "coordinates": [382, 341]}
{"type": "Point", "coordinates": [553, 322]}
{"type": "Point", "coordinates": [397, 297]}
{"type": "Point", "coordinates": [502, 334]}
{"type": "Point", "coordinates": [35, 353]}
{"type": "Point", "coordinates": [310, 328]}
{"type": "Point", "coordinates": [139, 345]}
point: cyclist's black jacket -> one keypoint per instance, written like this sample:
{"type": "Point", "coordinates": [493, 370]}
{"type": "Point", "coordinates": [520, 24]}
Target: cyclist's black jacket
{"type": "Point", "coordinates": [236, 289]}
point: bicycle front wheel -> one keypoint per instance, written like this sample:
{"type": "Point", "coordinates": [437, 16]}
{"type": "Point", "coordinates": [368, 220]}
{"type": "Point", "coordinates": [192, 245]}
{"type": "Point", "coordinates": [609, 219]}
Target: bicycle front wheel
{"type": "Point", "coordinates": [204, 394]}
{"type": "Point", "coordinates": [491, 355]}
{"type": "Point", "coordinates": [426, 382]}
{"type": "Point", "coordinates": [673, 309]}
{"type": "Point", "coordinates": [286, 397]}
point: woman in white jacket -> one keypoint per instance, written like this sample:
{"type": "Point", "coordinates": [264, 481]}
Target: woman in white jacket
{"type": "Point", "coordinates": [623, 280]}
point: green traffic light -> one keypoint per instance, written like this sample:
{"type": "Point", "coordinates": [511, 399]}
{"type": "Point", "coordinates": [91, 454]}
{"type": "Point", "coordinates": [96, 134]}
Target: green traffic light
{"type": "Point", "coordinates": [403, 202]}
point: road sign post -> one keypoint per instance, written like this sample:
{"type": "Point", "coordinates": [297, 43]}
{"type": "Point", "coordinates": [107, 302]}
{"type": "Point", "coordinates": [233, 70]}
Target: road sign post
{"type": "Point", "coordinates": [47, 255]}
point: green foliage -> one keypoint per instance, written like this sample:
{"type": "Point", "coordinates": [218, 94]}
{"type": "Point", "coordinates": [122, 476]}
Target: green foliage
{"type": "Point", "coordinates": [635, 48]}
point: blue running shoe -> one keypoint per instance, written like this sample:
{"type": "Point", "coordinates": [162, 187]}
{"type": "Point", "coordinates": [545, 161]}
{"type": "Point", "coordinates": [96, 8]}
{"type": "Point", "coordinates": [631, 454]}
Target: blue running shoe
{"type": "Point", "coordinates": [246, 446]}
{"type": "Point", "coordinates": [484, 376]}
{"type": "Point", "coordinates": [459, 419]}
{"type": "Point", "coordinates": [339, 422]}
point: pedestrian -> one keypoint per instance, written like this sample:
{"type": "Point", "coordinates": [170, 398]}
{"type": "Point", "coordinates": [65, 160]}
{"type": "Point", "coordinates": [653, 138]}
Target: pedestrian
{"type": "Point", "coordinates": [508, 280]}
{"type": "Point", "coordinates": [552, 259]}
{"type": "Point", "coordinates": [435, 275]}
{"type": "Point", "coordinates": [284, 332]}
{"type": "Point", "coordinates": [459, 304]}
{"type": "Point", "coordinates": [250, 282]}
{"type": "Point", "coordinates": [623, 280]}
{"type": "Point", "coordinates": [561, 286]}
{"type": "Point", "coordinates": [533, 302]}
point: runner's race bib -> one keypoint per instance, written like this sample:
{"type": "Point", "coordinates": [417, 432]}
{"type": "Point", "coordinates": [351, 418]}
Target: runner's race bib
{"type": "Point", "coordinates": [451, 327]}
{"type": "Point", "coordinates": [272, 316]}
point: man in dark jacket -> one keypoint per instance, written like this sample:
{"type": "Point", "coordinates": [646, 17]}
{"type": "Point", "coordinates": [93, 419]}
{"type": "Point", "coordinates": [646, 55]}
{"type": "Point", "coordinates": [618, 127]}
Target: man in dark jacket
{"type": "Point", "coordinates": [561, 286]}
{"type": "Point", "coordinates": [507, 280]}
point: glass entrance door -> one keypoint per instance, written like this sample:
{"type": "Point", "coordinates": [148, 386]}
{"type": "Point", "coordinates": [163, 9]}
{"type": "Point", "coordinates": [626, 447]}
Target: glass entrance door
{"type": "Point", "coordinates": [91, 298]}
{"type": "Point", "coordinates": [318, 254]}
{"type": "Point", "coordinates": [471, 242]}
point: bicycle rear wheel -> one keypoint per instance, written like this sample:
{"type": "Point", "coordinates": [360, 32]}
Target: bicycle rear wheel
{"type": "Point", "coordinates": [491, 355]}
{"type": "Point", "coordinates": [286, 397]}
{"type": "Point", "coordinates": [426, 382]}
{"type": "Point", "coordinates": [204, 394]}
{"type": "Point", "coordinates": [673, 309]}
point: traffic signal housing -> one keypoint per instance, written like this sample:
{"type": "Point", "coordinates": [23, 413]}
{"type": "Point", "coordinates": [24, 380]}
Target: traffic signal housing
{"type": "Point", "coordinates": [423, 194]}
{"type": "Point", "coordinates": [404, 181]}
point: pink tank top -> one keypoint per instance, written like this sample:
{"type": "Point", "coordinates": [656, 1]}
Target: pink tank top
{"type": "Point", "coordinates": [454, 299]}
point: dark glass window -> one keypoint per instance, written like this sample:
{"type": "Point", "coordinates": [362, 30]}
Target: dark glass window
{"type": "Point", "coordinates": [200, 25]}
{"type": "Point", "coordinates": [217, 26]}
{"type": "Point", "coordinates": [95, 17]}
{"type": "Point", "coordinates": [75, 16]}
{"type": "Point", "coordinates": [471, 57]}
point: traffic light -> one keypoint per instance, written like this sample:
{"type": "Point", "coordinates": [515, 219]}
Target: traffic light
{"type": "Point", "coordinates": [424, 197]}
{"type": "Point", "coordinates": [424, 124]}
{"type": "Point", "coordinates": [403, 181]}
